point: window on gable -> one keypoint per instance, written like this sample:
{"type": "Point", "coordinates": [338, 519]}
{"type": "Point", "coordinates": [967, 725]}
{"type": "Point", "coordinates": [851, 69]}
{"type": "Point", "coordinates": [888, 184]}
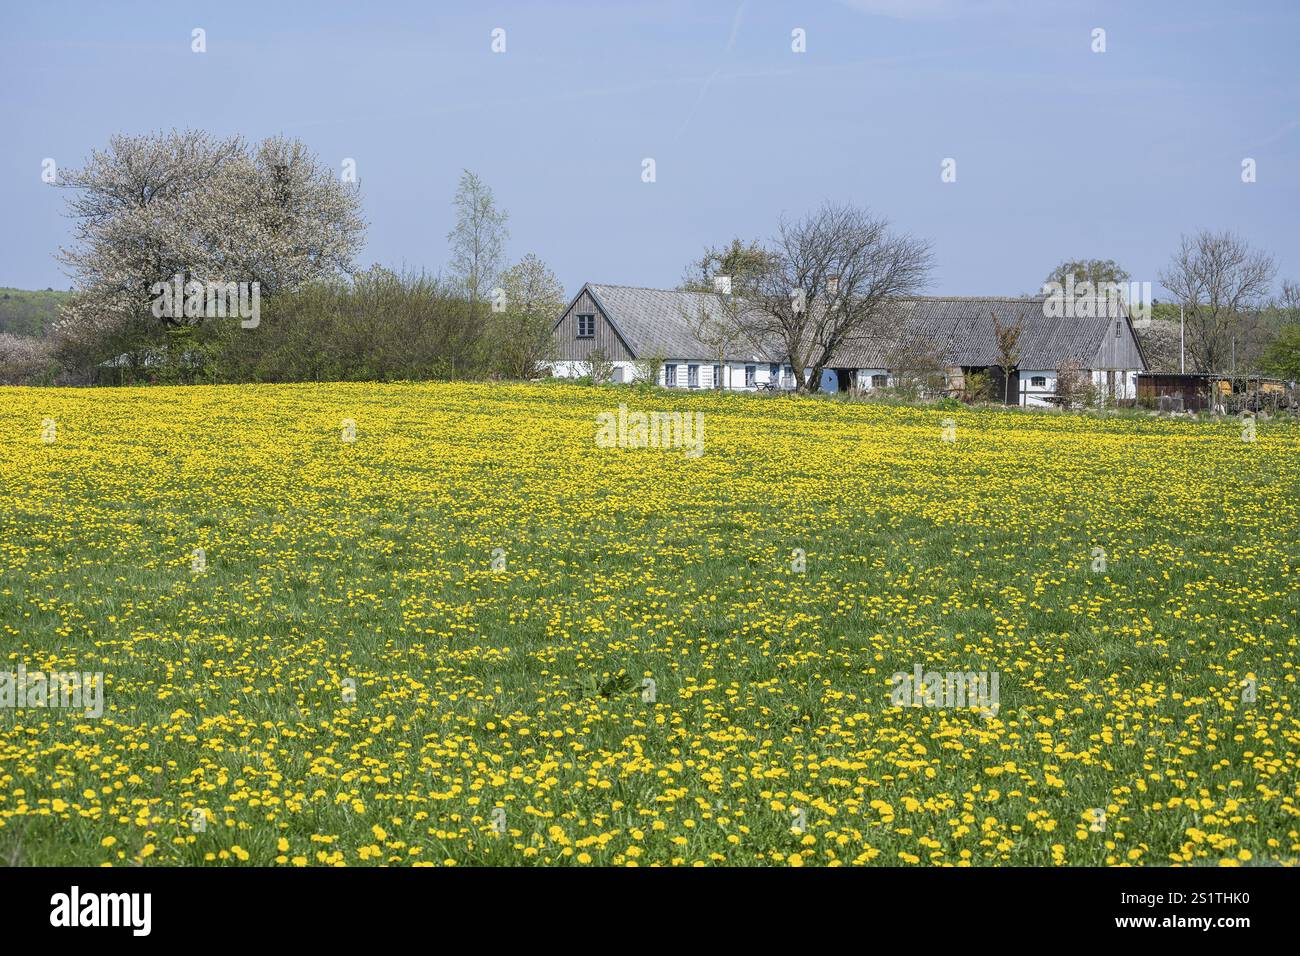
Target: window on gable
{"type": "Point", "coordinates": [586, 326]}
{"type": "Point", "coordinates": [1038, 381]}
{"type": "Point", "coordinates": [1117, 328]}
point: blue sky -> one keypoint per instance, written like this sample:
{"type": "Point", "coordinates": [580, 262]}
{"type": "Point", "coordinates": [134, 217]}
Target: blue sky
{"type": "Point", "coordinates": [1061, 152]}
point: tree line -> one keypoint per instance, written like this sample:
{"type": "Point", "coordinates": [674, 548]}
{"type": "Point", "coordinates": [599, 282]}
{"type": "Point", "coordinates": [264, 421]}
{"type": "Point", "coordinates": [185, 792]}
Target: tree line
{"type": "Point", "coordinates": [208, 215]}
{"type": "Point", "coordinates": [1222, 313]}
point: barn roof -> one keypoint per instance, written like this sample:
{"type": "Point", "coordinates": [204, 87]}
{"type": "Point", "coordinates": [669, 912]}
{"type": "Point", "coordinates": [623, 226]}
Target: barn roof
{"type": "Point", "coordinates": [660, 320]}
{"type": "Point", "coordinates": [959, 329]}
{"type": "Point", "coordinates": [962, 331]}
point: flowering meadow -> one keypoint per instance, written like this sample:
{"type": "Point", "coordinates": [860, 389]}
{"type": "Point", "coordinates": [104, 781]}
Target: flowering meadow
{"type": "Point", "coordinates": [440, 624]}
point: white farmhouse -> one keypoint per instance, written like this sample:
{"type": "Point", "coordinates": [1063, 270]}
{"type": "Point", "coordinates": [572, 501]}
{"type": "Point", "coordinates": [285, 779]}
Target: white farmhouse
{"type": "Point", "coordinates": [956, 333]}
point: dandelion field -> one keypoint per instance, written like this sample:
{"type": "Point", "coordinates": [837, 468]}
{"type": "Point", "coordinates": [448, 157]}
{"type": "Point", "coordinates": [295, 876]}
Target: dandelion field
{"type": "Point", "coordinates": [472, 636]}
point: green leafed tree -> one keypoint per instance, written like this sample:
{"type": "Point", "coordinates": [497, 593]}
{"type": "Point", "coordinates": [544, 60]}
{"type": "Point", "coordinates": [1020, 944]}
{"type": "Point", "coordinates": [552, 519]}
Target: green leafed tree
{"type": "Point", "coordinates": [520, 336]}
{"type": "Point", "coordinates": [1096, 271]}
{"type": "Point", "coordinates": [1282, 357]}
{"type": "Point", "coordinates": [738, 261]}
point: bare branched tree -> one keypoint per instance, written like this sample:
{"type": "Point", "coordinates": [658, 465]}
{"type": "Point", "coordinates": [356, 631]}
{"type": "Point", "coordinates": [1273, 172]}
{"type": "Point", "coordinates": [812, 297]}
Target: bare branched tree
{"type": "Point", "coordinates": [827, 280]}
{"type": "Point", "coordinates": [1289, 301]}
{"type": "Point", "coordinates": [478, 239]}
{"type": "Point", "coordinates": [1219, 280]}
{"type": "Point", "coordinates": [477, 253]}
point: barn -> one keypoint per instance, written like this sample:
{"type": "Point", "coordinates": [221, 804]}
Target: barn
{"type": "Point", "coordinates": [959, 335]}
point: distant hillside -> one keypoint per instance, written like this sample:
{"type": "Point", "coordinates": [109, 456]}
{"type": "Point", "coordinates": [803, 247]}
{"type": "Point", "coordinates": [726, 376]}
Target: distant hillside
{"type": "Point", "coordinates": [26, 312]}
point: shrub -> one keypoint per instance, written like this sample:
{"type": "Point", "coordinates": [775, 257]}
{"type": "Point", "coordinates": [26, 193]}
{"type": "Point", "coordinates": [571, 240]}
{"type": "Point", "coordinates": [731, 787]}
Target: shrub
{"type": "Point", "coordinates": [599, 368]}
{"type": "Point", "coordinates": [378, 327]}
{"type": "Point", "coordinates": [26, 361]}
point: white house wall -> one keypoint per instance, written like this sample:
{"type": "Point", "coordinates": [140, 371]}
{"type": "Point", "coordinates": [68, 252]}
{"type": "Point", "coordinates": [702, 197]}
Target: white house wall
{"type": "Point", "coordinates": [576, 369]}
{"type": "Point", "coordinates": [1125, 383]}
{"type": "Point", "coordinates": [733, 373]}
{"type": "Point", "coordinates": [1037, 395]}
{"type": "Point", "coordinates": [865, 376]}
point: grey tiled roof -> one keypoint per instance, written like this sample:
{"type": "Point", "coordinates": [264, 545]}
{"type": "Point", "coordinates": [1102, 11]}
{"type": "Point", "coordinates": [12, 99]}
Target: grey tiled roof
{"type": "Point", "coordinates": [959, 328]}
{"type": "Point", "coordinates": [661, 320]}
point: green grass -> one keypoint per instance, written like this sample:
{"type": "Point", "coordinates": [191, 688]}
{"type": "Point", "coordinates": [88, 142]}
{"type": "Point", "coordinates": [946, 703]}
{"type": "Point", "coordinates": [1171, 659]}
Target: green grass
{"type": "Point", "coordinates": [522, 689]}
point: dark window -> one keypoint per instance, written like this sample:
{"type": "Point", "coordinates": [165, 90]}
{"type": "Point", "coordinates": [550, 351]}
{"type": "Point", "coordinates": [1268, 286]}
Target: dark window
{"type": "Point", "coordinates": [879, 381]}
{"type": "Point", "coordinates": [774, 373]}
{"type": "Point", "coordinates": [788, 377]}
{"type": "Point", "coordinates": [1117, 328]}
{"type": "Point", "coordinates": [692, 376]}
{"type": "Point", "coordinates": [670, 375]}
{"type": "Point", "coordinates": [586, 326]}
{"type": "Point", "coordinates": [751, 376]}
{"type": "Point", "coordinates": [1038, 381]}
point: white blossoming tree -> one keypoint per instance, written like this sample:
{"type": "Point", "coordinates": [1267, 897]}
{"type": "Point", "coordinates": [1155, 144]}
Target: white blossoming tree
{"type": "Point", "coordinates": [151, 207]}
